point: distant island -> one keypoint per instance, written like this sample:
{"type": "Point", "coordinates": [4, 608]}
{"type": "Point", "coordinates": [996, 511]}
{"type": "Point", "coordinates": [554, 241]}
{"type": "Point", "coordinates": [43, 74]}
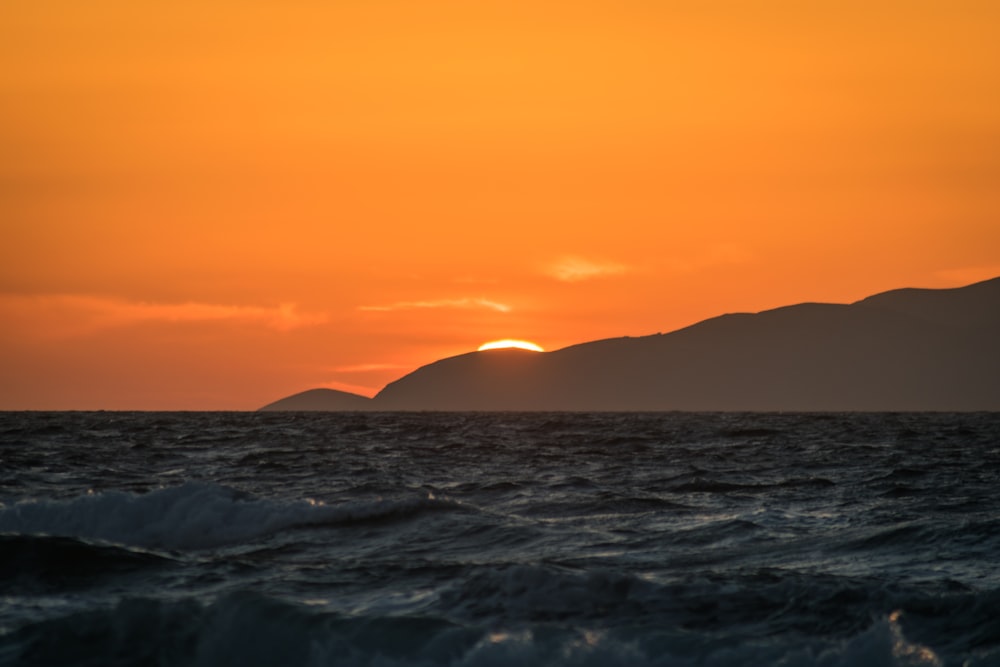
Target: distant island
{"type": "Point", "coordinates": [902, 350]}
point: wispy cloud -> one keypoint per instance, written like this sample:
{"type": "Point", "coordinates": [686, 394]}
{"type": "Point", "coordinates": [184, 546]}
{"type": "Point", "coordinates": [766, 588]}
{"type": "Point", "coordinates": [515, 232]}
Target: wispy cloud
{"type": "Point", "coordinates": [82, 313]}
{"type": "Point", "coordinates": [464, 303]}
{"type": "Point", "coordinates": [362, 389]}
{"type": "Point", "coordinates": [969, 274]}
{"type": "Point", "coordinates": [283, 317]}
{"type": "Point", "coordinates": [575, 269]}
{"type": "Point", "coordinates": [368, 368]}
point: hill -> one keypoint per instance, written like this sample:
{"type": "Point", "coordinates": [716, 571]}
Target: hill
{"type": "Point", "coordinates": [314, 400]}
{"type": "Point", "coordinates": [908, 349]}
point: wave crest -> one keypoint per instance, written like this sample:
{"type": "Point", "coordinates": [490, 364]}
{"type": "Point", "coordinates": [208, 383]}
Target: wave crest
{"type": "Point", "coordinates": [194, 515]}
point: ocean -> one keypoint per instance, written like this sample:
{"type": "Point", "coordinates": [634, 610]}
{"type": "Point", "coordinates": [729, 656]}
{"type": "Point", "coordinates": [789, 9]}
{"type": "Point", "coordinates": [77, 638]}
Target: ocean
{"type": "Point", "coordinates": [493, 539]}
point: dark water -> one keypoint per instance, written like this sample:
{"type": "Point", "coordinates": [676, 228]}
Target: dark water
{"type": "Point", "coordinates": [499, 539]}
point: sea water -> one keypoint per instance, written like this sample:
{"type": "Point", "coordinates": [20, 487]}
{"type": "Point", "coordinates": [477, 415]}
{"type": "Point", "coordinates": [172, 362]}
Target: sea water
{"type": "Point", "coordinates": [499, 539]}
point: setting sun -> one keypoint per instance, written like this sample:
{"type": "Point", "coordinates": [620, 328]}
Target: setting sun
{"type": "Point", "coordinates": [510, 342]}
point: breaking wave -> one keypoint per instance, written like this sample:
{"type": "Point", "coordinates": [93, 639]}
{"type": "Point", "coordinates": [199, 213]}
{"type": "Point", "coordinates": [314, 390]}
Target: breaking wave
{"type": "Point", "coordinates": [194, 515]}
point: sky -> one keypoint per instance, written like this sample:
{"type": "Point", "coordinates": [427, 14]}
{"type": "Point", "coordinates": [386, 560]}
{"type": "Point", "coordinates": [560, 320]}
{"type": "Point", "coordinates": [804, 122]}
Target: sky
{"type": "Point", "coordinates": [211, 204]}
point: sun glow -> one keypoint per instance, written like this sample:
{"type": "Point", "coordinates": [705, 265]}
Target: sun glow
{"type": "Point", "coordinates": [511, 342]}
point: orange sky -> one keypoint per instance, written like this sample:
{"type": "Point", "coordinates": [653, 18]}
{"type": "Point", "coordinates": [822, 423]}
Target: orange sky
{"type": "Point", "coordinates": [209, 204]}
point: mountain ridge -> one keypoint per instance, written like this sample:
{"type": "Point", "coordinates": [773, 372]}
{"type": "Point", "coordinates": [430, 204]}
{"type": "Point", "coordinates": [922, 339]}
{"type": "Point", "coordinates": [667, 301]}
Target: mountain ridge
{"type": "Point", "coordinates": [904, 349]}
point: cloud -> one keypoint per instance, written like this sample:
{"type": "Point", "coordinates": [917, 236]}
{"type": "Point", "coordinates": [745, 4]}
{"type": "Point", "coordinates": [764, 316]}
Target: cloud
{"type": "Point", "coordinates": [367, 368]}
{"type": "Point", "coordinates": [465, 303]}
{"type": "Point", "coordinates": [575, 269]}
{"type": "Point", "coordinates": [76, 314]}
{"type": "Point", "coordinates": [969, 274]}
{"type": "Point", "coordinates": [362, 389]}
{"type": "Point", "coordinates": [283, 317]}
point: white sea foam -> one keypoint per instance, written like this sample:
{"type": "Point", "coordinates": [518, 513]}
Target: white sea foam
{"type": "Point", "coordinates": [190, 516]}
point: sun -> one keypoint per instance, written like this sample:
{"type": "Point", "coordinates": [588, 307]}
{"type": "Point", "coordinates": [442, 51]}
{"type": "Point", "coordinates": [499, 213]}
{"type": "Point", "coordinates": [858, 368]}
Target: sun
{"type": "Point", "coordinates": [511, 342]}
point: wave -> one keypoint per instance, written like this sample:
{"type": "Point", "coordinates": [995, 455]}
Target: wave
{"type": "Point", "coordinates": [939, 535]}
{"type": "Point", "coordinates": [782, 602]}
{"type": "Point", "coordinates": [249, 629]}
{"type": "Point", "coordinates": [702, 485]}
{"type": "Point", "coordinates": [34, 564]}
{"type": "Point", "coordinates": [194, 515]}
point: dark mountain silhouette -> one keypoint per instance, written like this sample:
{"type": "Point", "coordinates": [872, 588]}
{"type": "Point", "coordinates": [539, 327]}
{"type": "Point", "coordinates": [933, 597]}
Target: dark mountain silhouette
{"type": "Point", "coordinates": [314, 400]}
{"type": "Point", "coordinates": [908, 349]}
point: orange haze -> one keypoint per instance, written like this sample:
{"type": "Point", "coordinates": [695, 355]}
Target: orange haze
{"type": "Point", "coordinates": [208, 204]}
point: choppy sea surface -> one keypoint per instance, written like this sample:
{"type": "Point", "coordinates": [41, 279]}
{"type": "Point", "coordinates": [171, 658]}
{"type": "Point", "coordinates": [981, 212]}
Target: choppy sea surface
{"type": "Point", "coordinates": [499, 539]}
